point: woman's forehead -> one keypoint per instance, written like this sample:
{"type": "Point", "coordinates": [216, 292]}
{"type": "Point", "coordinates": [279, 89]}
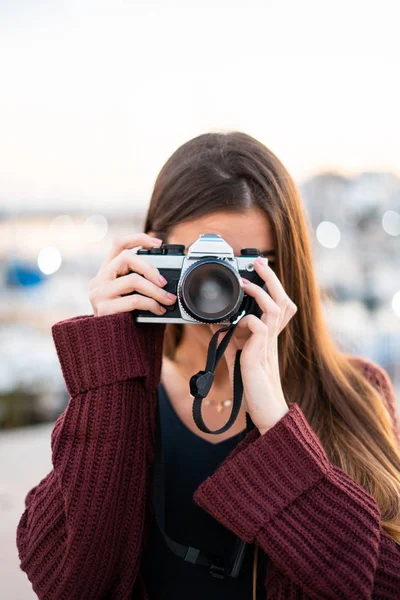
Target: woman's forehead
{"type": "Point", "coordinates": [241, 230]}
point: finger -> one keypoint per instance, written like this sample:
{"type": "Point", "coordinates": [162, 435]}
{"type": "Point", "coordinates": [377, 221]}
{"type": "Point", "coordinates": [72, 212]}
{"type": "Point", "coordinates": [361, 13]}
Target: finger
{"type": "Point", "coordinates": [252, 323]}
{"type": "Point", "coordinates": [275, 288]}
{"type": "Point", "coordinates": [130, 241]}
{"type": "Point", "coordinates": [127, 304]}
{"type": "Point", "coordinates": [257, 344]}
{"type": "Point", "coordinates": [290, 311]}
{"type": "Point", "coordinates": [276, 292]}
{"type": "Point", "coordinates": [271, 312]}
{"type": "Point", "coordinates": [129, 261]}
{"type": "Point", "coordinates": [135, 282]}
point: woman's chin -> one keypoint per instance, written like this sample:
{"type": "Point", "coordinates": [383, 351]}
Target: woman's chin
{"type": "Point", "coordinates": [241, 335]}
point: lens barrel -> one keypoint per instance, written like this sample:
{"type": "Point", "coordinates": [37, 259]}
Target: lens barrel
{"type": "Point", "coordinates": [210, 290]}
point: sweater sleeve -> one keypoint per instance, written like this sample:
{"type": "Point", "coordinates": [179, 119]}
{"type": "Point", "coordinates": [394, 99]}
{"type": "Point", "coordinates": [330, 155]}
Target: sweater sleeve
{"type": "Point", "coordinates": [320, 528]}
{"type": "Point", "coordinates": [80, 535]}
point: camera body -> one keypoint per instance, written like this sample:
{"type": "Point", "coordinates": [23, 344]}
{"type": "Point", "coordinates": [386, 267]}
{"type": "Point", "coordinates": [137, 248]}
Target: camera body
{"type": "Point", "coordinates": [206, 281]}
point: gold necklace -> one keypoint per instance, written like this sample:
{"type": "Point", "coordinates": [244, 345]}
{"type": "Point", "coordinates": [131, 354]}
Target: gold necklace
{"type": "Point", "coordinates": [219, 405]}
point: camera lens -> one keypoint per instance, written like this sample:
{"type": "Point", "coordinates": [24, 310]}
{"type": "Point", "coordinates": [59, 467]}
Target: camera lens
{"type": "Point", "coordinates": [210, 290]}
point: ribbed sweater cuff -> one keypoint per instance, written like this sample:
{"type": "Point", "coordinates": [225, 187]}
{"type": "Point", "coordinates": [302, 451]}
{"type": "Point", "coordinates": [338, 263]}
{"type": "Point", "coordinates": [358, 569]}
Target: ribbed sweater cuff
{"type": "Point", "coordinates": [95, 351]}
{"type": "Point", "coordinates": [268, 475]}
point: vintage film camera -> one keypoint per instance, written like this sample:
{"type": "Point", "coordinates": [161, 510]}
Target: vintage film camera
{"type": "Point", "coordinates": [206, 281]}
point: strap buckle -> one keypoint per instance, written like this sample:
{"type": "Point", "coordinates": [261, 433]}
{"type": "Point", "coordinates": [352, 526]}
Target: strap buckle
{"type": "Point", "coordinates": [218, 572]}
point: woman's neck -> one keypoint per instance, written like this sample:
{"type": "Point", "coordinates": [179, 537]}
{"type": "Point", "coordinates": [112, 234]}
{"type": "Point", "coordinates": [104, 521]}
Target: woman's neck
{"type": "Point", "coordinates": [190, 358]}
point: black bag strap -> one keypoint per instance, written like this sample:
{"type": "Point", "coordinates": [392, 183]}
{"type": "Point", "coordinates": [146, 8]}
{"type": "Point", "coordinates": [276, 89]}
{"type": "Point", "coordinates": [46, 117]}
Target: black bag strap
{"type": "Point", "coordinates": [217, 566]}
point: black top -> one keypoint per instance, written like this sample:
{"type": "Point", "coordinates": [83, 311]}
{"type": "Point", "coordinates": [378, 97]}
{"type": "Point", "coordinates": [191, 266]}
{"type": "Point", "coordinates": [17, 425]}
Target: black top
{"type": "Point", "coordinates": [189, 460]}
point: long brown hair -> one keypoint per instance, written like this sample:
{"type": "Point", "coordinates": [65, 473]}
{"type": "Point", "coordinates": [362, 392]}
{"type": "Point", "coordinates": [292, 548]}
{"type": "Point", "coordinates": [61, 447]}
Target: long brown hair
{"type": "Point", "coordinates": [232, 171]}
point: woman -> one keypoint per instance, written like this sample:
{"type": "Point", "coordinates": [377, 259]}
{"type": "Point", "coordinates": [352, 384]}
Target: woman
{"type": "Point", "coordinates": [313, 488]}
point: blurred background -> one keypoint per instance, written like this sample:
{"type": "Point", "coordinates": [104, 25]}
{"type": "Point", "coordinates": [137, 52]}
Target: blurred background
{"type": "Point", "coordinates": [95, 96]}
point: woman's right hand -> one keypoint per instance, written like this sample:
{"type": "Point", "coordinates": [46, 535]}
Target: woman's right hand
{"type": "Point", "coordinates": [114, 279]}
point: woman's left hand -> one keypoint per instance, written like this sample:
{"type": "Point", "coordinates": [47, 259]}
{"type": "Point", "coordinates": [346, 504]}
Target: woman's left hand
{"type": "Point", "coordinates": [259, 364]}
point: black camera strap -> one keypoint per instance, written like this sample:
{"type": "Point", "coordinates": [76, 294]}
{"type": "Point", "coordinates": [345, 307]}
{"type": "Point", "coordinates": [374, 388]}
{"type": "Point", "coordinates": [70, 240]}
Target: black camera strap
{"type": "Point", "coordinates": [201, 382]}
{"type": "Point", "coordinates": [217, 566]}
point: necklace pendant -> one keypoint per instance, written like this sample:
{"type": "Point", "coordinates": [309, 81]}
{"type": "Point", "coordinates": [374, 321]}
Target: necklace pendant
{"type": "Point", "coordinates": [218, 405]}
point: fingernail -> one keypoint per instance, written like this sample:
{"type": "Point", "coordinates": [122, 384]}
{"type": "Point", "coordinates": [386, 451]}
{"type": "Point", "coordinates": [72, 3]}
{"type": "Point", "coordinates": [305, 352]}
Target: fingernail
{"type": "Point", "coordinates": [261, 261]}
{"type": "Point", "coordinates": [171, 296]}
{"type": "Point", "coordinates": [162, 280]}
{"type": "Point", "coordinates": [157, 240]}
{"type": "Point", "coordinates": [245, 280]}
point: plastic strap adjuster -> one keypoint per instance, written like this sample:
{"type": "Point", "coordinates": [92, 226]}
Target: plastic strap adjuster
{"type": "Point", "coordinates": [200, 383]}
{"type": "Point", "coordinates": [218, 572]}
{"type": "Point", "coordinates": [192, 555]}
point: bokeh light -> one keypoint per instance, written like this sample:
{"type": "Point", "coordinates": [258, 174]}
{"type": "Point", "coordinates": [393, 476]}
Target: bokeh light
{"type": "Point", "coordinates": [49, 260]}
{"type": "Point", "coordinates": [328, 234]}
{"type": "Point", "coordinates": [95, 228]}
{"type": "Point", "coordinates": [396, 303]}
{"type": "Point", "coordinates": [62, 228]}
{"type": "Point", "coordinates": [391, 222]}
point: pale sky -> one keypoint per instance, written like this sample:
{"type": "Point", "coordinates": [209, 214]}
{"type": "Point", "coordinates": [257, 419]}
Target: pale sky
{"type": "Point", "coordinates": [96, 95]}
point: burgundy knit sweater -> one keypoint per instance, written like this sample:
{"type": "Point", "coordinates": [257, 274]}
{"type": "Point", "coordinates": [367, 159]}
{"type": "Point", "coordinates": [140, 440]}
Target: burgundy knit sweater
{"type": "Point", "coordinates": [82, 533]}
